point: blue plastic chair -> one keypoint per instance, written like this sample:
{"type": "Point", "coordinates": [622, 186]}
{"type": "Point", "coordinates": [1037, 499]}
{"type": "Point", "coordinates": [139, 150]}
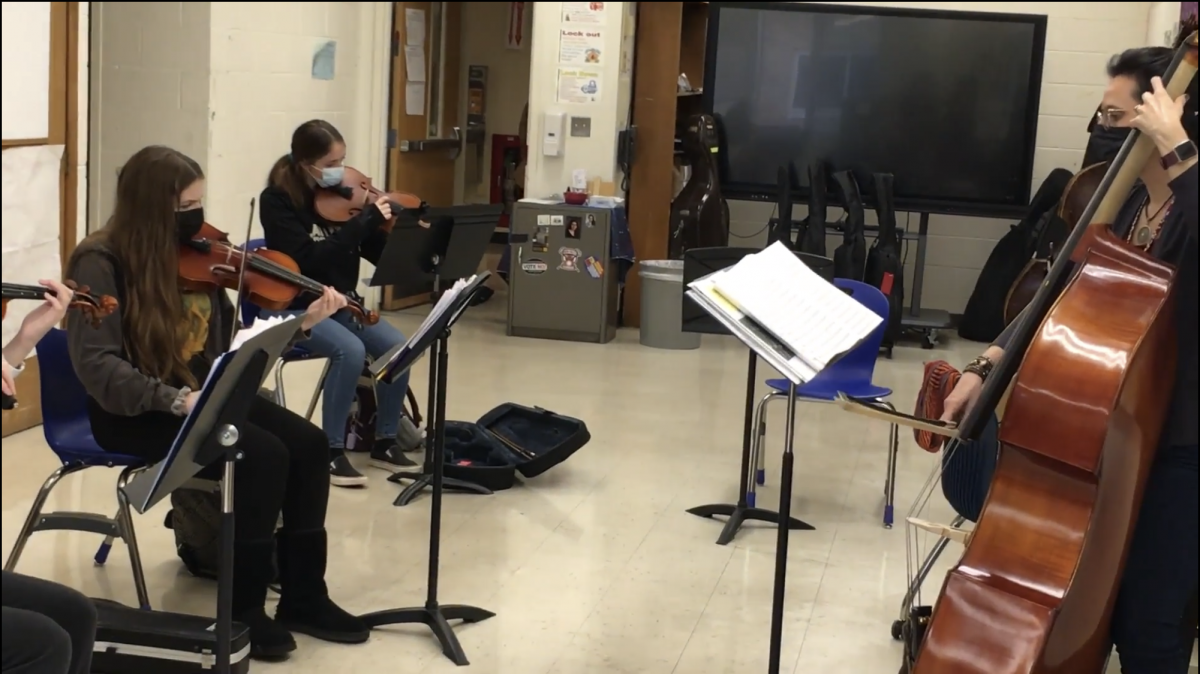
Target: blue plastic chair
{"type": "Point", "coordinates": [296, 354]}
{"type": "Point", "coordinates": [852, 375]}
{"type": "Point", "coordinates": [68, 431]}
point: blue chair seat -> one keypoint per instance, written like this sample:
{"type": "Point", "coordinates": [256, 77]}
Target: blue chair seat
{"type": "Point", "coordinates": [297, 353]}
{"type": "Point", "coordinates": [827, 389]}
{"type": "Point", "coordinates": [72, 441]}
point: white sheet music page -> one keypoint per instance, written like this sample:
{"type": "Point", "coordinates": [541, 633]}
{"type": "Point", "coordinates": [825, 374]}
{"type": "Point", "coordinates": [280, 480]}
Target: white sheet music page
{"type": "Point", "coordinates": [443, 305]}
{"type": "Point", "coordinates": [815, 319]}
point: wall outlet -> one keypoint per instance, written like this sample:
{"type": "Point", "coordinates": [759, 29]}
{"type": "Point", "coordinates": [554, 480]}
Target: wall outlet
{"type": "Point", "coordinates": [581, 127]}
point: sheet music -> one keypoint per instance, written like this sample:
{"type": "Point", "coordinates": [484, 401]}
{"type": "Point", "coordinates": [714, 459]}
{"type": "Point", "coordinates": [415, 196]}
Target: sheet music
{"type": "Point", "coordinates": [814, 318]}
{"type": "Point", "coordinates": [443, 305]}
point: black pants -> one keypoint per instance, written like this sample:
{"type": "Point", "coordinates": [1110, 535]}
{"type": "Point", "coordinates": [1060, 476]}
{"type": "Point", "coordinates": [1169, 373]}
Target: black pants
{"type": "Point", "coordinates": [48, 628]}
{"type": "Point", "coordinates": [284, 469]}
{"type": "Point", "coordinates": [1154, 627]}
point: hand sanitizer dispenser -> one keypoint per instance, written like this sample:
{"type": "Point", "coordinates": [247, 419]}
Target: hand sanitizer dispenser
{"type": "Point", "coordinates": [554, 131]}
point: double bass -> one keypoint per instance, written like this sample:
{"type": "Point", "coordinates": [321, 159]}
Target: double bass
{"type": "Point", "coordinates": [1090, 372]}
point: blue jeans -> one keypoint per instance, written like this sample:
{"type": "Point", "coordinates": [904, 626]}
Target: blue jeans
{"type": "Point", "coordinates": [347, 344]}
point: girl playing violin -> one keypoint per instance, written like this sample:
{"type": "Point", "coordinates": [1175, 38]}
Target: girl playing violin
{"type": "Point", "coordinates": [1150, 625]}
{"type": "Point", "coordinates": [48, 628]}
{"type": "Point", "coordinates": [330, 254]}
{"type": "Point", "coordinates": [141, 369]}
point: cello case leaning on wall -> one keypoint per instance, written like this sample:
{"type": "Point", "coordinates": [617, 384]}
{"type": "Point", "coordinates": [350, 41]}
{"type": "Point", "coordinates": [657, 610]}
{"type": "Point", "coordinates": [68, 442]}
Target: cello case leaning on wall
{"type": "Point", "coordinates": [699, 214]}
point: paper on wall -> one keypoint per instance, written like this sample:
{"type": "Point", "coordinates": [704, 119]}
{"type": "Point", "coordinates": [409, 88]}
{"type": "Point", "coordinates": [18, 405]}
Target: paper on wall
{"type": "Point", "coordinates": [579, 85]}
{"type": "Point", "coordinates": [30, 209]}
{"type": "Point", "coordinates": [414, 64]}
{"type": "Point", "coordinates": [414, 27]}
{"type": "Point", "coordinates": [583, 13]}
{"type": "Point", "coordinates": [414, 98]}
{"type": "Point", "coordinates": [580, 46]}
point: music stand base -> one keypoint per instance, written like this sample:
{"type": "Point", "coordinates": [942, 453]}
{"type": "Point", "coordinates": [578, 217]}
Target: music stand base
{"type": "Point", "coordinates": [739, 514]}
{"type": "Point", "coordinates": [421, 481]}
{"type": "Point", "coordinates": [437, 618]}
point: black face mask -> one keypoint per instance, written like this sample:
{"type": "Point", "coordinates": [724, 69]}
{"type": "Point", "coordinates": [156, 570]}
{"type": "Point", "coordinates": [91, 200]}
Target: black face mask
{"type": "Point", "coordinates": [1104, 144]}
{"type": "Point", "coordinates": [188, 223]}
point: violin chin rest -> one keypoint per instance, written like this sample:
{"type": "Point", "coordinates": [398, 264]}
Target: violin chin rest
{"type": "Point", "coordinates": [946, 531]}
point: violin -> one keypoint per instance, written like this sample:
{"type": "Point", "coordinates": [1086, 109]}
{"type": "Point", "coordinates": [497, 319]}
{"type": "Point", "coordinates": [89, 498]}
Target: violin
{"type": "Point", "coordinates": [269, 279]}
{"type": "Point", "coordinates": [95, 308]}
{"type": "Point", "coordinates": [340, 204]}
{"type": "Point", "coordinates": [1088, 374]}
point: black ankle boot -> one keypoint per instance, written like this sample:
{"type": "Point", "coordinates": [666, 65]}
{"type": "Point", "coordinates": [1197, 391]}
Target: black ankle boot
{"type": "Point", "coordinates": [304, 603]}
{"type": "Point", "coordinates": [253, 571]}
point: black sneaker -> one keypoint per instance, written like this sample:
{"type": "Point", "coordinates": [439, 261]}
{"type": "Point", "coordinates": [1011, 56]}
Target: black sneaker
{"type": "Point", "coordinates": [342, 473]}
{"type": "Point", "coordinates": [386, 455]}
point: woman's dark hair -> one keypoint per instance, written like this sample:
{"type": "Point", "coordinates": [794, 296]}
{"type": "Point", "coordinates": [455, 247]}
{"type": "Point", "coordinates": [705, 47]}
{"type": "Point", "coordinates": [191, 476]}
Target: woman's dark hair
{"type": "Point", "coordinates": [310, 141]}
{"type": "Point", "coordinates": [1146, 63]}
{"type": "Point", "coordinates": [141, 233]}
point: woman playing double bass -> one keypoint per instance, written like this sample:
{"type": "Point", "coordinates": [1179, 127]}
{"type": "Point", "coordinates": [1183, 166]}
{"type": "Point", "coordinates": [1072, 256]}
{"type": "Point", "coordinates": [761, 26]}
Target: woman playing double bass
{"type": "Point", "coordinates": [1160, 216]}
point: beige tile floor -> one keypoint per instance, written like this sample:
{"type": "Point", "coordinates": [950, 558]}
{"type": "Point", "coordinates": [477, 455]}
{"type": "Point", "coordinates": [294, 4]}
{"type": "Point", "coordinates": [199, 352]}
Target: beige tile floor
{"type": "Point", "coordinates": [594, 567]}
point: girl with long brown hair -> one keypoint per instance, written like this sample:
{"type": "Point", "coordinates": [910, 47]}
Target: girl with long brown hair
{"type": "Point", "coordinates": [141, 369]}
{"type": "Point", "coordinates": [331, 254]}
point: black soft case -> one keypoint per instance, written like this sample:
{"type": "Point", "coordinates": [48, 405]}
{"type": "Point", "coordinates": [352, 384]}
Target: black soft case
{"type": "Point", "coordinates": [508, 440]}
{"type": "Point", "coordinates": [133, 641]}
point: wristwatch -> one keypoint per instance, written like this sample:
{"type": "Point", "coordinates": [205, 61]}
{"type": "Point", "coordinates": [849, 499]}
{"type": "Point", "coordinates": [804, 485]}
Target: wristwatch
{"type": "Point", "coordinates": [980, 367]}
{"type": "Point", "coordinates": [1182, 152]}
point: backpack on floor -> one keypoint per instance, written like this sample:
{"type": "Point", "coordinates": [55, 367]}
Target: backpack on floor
{"type": "Point", "coordinates": [195, 517]}
{"type": "Point", "coordinates": [364, 412]}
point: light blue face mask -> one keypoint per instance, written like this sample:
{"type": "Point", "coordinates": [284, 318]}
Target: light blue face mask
{"type": "Point", "coordinates": [331, 176]}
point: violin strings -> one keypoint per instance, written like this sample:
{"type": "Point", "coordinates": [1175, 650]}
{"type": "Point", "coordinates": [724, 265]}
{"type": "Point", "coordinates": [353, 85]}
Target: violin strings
{"type": "Point", "coordinates": [259, 263]}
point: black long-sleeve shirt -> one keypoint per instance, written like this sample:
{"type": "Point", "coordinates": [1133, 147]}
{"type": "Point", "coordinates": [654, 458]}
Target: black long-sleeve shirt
{"type": "Point", "coordinates": [326, 254]}
{"type": "Point", "coordinates": [1177, 245]}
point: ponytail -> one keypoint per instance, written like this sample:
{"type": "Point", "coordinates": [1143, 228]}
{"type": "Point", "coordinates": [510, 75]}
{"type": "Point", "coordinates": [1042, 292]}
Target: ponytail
{"type": "Point", "coordinates": [286, 175]}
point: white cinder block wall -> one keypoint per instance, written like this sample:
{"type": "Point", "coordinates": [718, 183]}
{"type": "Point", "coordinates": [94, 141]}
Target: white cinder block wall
{"type": "Point", "coordinates": [1080, 39]}
{"type": "Point", "coordinates": [149, 85]}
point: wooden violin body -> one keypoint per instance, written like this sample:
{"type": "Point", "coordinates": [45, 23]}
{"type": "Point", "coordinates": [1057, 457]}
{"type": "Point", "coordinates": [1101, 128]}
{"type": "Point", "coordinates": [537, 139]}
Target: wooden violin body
{"type": "Point", "coordinates": [96, 308]}
{"type": "Point", "coordinates": [1070, 207]}
{"type": "Point", "coordinates": [340, 204]}
{"type": "Point", "coordinates": [1089, 372]}
{"type": "Point", "coordinates": [699, 214]}
{"type": "Point", "coordinates": [272, 280]}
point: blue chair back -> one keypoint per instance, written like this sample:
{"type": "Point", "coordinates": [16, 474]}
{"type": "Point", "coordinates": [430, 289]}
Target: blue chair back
{"type": "Point", "coordinates": [250, 310]}
{"type": "Point", "coordinates": [858, 366]}
{"type": "Point", "coordinates": [65, 419]}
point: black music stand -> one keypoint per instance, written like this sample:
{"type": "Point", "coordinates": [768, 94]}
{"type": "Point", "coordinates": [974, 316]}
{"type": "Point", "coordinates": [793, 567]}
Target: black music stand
{"type": "Point", "coordinates": [451, 248]}
{"type": "Point", "coordinates": [697, 263]}
{"type": "Point", "coordinates": [434, 338]}
{"type": "Point", "coordinates": [210, 434]}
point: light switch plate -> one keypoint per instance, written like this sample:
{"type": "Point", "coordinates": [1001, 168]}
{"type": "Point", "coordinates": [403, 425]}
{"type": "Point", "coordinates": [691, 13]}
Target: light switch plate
{"type": "Point", "coordinates": [581, 127]}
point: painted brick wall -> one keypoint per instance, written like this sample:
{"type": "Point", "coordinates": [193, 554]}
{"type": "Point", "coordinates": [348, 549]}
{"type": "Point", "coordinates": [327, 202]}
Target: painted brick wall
{"type": "Point", "coordinates": [1080, 39]}
{"type": "Point", "coordinates": [149, 85]}
{"type": "Point", "coordinates": [262, 88]}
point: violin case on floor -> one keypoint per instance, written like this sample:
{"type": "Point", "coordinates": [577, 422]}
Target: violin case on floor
{"type": "Point", "coordinates": [133, 641]}
{"type": "Point", "coordinates": [508, 440]}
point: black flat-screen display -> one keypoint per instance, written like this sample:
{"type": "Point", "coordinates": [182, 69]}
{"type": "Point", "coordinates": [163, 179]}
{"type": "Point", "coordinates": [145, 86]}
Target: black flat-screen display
{"type": "Point", "coordinates": [946, 101]}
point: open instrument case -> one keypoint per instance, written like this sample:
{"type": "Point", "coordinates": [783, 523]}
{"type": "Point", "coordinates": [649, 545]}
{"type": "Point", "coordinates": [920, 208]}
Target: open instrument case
{"type": "Point", "coordinates": [508, 440]}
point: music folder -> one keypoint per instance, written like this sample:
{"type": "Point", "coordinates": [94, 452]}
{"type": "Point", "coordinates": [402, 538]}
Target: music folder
{"type": "Point", "coordinates": [192, 451]}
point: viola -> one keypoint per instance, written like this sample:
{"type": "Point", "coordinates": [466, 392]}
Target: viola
{"type": "Point", "coordinates": [269, 279]}
{"type": "Point", "coordinates": [1091, 370]}
{"type": "Point", "coordinates": [340, 204]}
{"type": "Point", "coordinates": [95, 308]}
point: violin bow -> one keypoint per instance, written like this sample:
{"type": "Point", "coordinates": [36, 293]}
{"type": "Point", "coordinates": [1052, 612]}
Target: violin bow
{"type": "Point", "coordinates": [237, 305]}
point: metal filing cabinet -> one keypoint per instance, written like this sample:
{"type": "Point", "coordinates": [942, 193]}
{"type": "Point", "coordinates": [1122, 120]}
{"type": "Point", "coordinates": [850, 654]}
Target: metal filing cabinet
{"type": "Point", "coordinates": [562, 283]}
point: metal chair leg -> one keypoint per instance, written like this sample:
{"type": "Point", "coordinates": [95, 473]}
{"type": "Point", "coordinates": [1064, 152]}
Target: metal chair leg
{"type": "Point", "coordinates": [889, 485]}
{"type": "Point", "coordinates": [280, 397]}
{"type": "Point", "coordinates": [125, 520]}
{"type": "Point", "coordinates": [312, 403]}
{"type": "Point", "coordinates": [101, 556]}
{"type": "Point", "coordinates": [914, 587]}
{"type": "Point", "coordinates": [35, 513]}
{"type": "Point", "coordinates": [759, 476]}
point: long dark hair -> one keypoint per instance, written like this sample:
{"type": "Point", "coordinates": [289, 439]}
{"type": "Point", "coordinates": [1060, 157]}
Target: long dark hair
{"type": "Point", "coordinates": [141, 233]}
{"type": "Point", "coordinates": [310, 141]}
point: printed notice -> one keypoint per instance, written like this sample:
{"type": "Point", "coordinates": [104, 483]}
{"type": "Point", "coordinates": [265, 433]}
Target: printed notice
{"type": "Point", "coordinates": [583, 13]}
{"type": "Point", "coordinates": [580, 46]}
{"type": "Point", "coordinates": [578, 85]}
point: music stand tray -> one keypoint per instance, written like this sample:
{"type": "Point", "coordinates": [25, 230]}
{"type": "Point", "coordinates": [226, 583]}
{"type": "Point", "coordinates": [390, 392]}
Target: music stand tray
{"type": "Point", "coordinates": [697, 263]}
{"type": "Point", "coordinates": [451, 248]}
{"type": "Point", "coordinates": [209, 434]}
{"type": "Point", "coordinates": [434, 338]}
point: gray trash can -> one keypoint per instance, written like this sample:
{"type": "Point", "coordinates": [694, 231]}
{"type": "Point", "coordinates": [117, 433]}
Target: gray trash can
{"type": "Point", "coordinates": [662, 306]}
